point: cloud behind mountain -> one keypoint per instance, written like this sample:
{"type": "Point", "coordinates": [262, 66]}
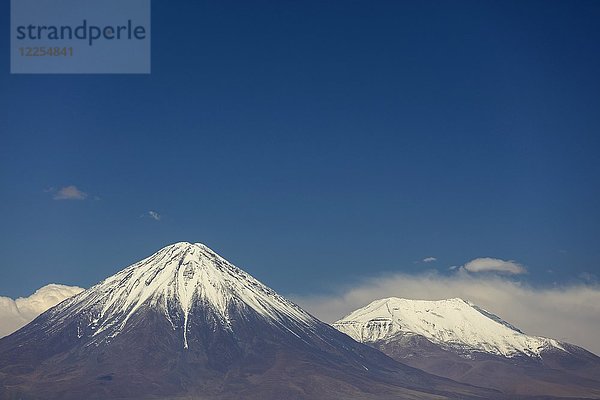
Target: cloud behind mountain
{"type": "Point", "coordinates": [569, 312]}
{"type": "Point", "coordinates": [15, 313]}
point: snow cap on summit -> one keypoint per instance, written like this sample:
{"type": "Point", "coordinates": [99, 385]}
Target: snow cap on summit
{"type": "Point", "coordinates": [452, 323]}
{"type": "Point", "coordinates": [176, 280]}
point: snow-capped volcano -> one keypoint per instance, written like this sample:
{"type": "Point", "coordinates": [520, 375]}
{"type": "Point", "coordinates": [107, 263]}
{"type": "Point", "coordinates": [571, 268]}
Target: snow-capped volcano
{"type": "Point", "coordinates": [185, 323]}
{"type": "Point", "coordinates": [460, 341]}
{"type": "Point", "coordinates": [451, 323]}
{"type": "Point", "coordinates": [173, 280]}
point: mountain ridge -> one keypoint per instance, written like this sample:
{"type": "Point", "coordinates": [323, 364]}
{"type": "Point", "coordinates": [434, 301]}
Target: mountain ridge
{"type": "Point", "coordinates": [185, 323]}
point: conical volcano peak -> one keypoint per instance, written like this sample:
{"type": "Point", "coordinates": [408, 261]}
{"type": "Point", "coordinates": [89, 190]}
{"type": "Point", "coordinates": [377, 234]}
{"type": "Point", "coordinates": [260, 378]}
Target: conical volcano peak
{"type": "Point", "coordinates": [181, 250]}
{"type": "Point", "coordinates": [184, 260]}
{"type": "Point", "coordinates": [192, 256]}
{"type": "Point", "coordinates": [183, 246]}
{"type": "Point", "coordinates": [180, 282]}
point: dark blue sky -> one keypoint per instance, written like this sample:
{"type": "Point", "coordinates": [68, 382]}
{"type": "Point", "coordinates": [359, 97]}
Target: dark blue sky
{"type": "Point", "coordinates": [314, 143]}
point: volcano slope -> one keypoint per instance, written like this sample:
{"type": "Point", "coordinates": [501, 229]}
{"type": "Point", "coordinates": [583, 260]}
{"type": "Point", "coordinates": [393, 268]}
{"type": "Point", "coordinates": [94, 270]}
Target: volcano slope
{"type": "Point", "coordinates": [186, 324]}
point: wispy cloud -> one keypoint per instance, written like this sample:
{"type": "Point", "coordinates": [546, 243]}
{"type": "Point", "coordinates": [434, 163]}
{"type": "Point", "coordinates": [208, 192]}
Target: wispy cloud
{"type": "Point", "coordinates": [17, 313]}
{"type": "Point", "coordinates": [154, 215]}
{"type": "Point", "coordinates": [429, 259]}
{"type": "Point", "coordinates": [570, 312]}
{"type": "Point", "coordinates": [69, 193]}
{"type": "Point", "coordinates": [487, 264]}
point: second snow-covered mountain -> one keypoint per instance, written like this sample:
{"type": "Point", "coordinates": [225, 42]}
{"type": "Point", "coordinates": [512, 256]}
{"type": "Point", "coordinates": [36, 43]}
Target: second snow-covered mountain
{"type": "Point", "coordinates": [452, 323]}
{"type": "Point", "coordinates": [458, 340]}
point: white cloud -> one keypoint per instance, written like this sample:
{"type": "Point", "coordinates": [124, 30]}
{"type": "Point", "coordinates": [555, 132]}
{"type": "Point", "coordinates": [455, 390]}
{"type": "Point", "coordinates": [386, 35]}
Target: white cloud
{"type": "Point", "coordinates": [487, 264]}
{"type": "Point", "coordinates": [154, 215]}
{"type": "Point", "coordinates": [17, 313]}
{"type": "Point", "coordinates": [69, 193]}
{"type": "Point", "coordinates": [429, 259]}
{"type": "Point", "coordinates": [570, 313]}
